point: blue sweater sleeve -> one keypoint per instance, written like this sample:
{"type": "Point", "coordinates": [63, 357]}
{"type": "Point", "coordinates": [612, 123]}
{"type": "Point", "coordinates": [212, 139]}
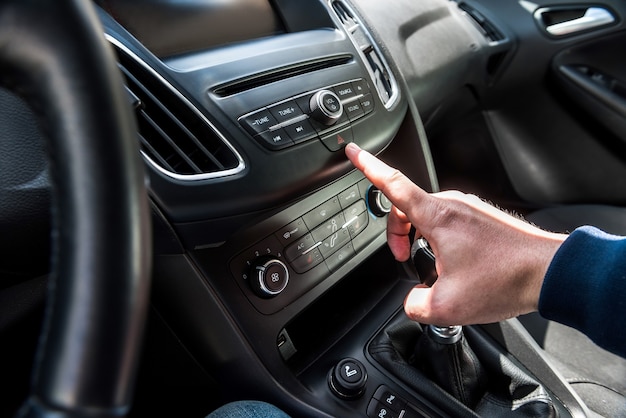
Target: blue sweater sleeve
{"type": "Point", "coordinates": [585, 287]}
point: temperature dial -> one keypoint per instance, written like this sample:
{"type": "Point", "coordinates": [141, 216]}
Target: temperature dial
{"type": "Point", "coordinates": [268, 277]}
{"type": "Point", "coordinates": [326, 107]}
{"type": "Point", "coordinates": [379, 204]}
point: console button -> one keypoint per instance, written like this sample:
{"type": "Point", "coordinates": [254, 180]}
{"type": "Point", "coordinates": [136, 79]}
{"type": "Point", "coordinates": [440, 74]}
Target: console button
{"type": "Point", "coordinates": [275, 140]}
{"type": "Point", "coordinates": [337, 260]}
{"type": "Point", "coordinates": [285, 111]}
{"type": "Point", "coordinates": [306, 262]}
{"type": "Point", "coordinates": [300, 247]}
{"type": "Point", "coordinates": [345, 91]}
{"type": "Point", "coordinates": [349, 196]}
{"type": "Point", "coordinates": [360, 87]}
{"type": "Point", "coordinates": [376, 409]}
{"type": "Point", "coordinates": [334, 242]}
{"type": "Point", "coordinates": [289, 233]}
{"type": "Point", "coordinates": [322, 213]}
{"type": "Point", "coordinates": [304, 103]}
{"type": "Point", "coordinates": [357, 224]}
{"type": "Point", "coordinates": [329, 227]}
{"type": "Point", "coordinates": [338, 140]}
{"type": "Point", "coordinates": [389, 398]}
{"type": "Point", "coordinates": [300, 131]}
{"type": "Point", "coordinates": [354, 210]}
{"type": "Point", "coordinates": [354, 110]}
{"type": "Point", "coordinates": [258, 122]}
{"type": "Point", "coordinates": [367, 103]}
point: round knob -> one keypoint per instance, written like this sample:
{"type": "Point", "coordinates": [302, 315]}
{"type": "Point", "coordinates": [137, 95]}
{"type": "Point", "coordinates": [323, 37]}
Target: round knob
{"type": "Point", "coordinates": [348, 378]}
{"type": "Point", "coordinates": [268, 277]}
{"type": "Point", "coordinates": [326, 107]}
{"type": "Point", "coordinates": [379, 204]}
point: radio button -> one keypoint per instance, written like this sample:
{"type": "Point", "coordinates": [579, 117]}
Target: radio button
{"type": "Point", "coordinates": [258, 122]}
{"type": "Point", "coordinates": [345, 91]}
{"type": "Point", "coordinates": [326, 107]}
{"type": "Point", "coordinates": [367, 103]}
{"type": "Point", "coordinates": [285, 111]}
{"type": "Point", "coordinates": [360, 87]}
{"type": "Point", "coordinates": [354, 110]}
{"type": "Point", "coordinates": [300, 131]}
{"type": "Point", "coordinates": [275, 140]}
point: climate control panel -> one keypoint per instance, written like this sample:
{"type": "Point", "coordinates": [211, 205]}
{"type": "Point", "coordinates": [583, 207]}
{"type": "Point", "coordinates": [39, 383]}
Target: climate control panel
{"type": "Point", "coordinates": [308, 246]}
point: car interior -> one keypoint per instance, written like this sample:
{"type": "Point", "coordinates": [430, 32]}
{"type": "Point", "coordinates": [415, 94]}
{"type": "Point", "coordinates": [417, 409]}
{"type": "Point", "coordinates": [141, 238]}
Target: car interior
{"type": "Point", "coordinates": [180, 227]}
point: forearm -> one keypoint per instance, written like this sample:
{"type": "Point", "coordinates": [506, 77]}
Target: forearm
{"type": "Point", "coordinates": [585, 287]}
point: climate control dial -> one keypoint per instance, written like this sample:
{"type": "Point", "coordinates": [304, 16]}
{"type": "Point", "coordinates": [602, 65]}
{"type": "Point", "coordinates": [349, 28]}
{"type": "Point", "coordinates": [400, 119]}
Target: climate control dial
{"type": "Point", "coordinates": [378, 203]}
{"type": "Point", "coordinates": [268, 277]}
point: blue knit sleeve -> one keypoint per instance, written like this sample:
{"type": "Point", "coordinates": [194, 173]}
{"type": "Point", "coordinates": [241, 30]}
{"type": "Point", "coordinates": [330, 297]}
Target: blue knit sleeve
{"type": "Point", "coordinates": [585, 287]}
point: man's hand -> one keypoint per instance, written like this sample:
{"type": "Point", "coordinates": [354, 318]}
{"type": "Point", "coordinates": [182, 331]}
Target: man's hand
{"type": "Point", "coordinates": [490, 264]}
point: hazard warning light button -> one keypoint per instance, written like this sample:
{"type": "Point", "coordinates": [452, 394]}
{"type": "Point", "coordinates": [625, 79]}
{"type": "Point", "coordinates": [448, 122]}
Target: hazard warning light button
{"type": "Point", "coordinates": [338, 139]}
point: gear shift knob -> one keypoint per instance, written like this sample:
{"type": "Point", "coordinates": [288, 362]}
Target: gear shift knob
{"type": "Point", "coordinates": [424, 262]}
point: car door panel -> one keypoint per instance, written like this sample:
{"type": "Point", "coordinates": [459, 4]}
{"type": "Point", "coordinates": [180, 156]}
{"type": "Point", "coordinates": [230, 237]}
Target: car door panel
{"type": "Point", "coordinates": [555, 113]}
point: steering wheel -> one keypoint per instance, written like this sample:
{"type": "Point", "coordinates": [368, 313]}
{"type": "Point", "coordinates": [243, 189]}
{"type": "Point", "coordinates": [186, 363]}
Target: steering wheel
{"type": "Point", "coordinates": [53, 54]}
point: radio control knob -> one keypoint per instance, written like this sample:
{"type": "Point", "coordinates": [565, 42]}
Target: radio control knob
{"type": "Point", "coordinates": [326, 107]}
{"type": "Point", "coordinates": [268, 277]}
{"type": "Point", "coordinates": [378, 203]}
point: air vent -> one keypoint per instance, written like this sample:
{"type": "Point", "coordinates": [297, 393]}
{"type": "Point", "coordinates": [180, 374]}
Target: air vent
{"type": "Point", "coordinates": [175, 137]}
{"type": "Point", "coordinates": [489, 31]}
{"type": "Point", "coordinates": [380, 71]}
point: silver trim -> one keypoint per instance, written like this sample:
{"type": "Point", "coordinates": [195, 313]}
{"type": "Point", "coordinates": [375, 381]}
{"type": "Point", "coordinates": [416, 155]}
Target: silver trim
{"type": "Point", "coordinates": [594, 17]}
{"type": "Point", "coordinates": [445, 335]}
{"type": "Point", "coordinates": [395, 91]}
{"type": "Point", "coordinates": [261, 277]}
{"type": "Point", "coordinates": [184, 177]}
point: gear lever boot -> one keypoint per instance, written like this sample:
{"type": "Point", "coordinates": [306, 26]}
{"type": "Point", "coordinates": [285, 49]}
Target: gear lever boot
{"type": "Point", "coordinates": [444, 355]}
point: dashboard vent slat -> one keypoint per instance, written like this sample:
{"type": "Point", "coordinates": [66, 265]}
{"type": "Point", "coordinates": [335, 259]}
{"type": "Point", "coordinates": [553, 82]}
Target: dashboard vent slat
{"type": "Point", "coordinates": [174, 135]}
{"type": "Point", "coordinates": [373, 59]}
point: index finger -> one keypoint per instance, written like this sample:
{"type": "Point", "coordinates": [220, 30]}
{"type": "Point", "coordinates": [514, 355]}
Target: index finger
{"type": "Point", "coordinates": [402, 192]}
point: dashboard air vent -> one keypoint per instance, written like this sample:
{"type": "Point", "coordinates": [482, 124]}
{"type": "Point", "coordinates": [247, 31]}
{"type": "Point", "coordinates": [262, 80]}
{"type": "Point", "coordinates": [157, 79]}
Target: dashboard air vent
{"type": "Point", "coordinates": [175, 137]}
{"type": "Point", "coordinates": [378, 68]}
{"type": "Point", "coordinates": [488, 29]}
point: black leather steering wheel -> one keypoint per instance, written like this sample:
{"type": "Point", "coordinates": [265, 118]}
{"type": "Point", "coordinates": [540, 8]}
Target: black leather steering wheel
{"type": "Point", "coordinates": [53, 54]}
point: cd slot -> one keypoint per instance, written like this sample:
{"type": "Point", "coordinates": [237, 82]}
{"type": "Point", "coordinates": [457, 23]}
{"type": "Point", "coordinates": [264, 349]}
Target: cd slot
{"type": "Point", "coordinates": [278, 74]}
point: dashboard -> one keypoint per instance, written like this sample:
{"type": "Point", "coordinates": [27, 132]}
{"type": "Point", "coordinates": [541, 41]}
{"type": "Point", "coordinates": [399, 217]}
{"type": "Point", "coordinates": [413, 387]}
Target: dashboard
{"type": "Point", "coordinates": [270, 263]}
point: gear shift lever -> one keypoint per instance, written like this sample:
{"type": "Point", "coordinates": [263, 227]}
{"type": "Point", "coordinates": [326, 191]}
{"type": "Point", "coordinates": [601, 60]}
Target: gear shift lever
{"type": "Point", "coordinates": [424, 263]}
{"type": "Point", "coordinates": [446, 356]}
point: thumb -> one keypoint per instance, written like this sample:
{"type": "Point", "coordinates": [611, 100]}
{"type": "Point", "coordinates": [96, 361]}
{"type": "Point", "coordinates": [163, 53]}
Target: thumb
{"type": "Point", "coordinates": [417, 304]}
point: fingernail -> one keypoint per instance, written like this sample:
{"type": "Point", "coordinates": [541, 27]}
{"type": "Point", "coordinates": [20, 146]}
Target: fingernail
{"type": "Point", "coordinates": [352, 149]}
